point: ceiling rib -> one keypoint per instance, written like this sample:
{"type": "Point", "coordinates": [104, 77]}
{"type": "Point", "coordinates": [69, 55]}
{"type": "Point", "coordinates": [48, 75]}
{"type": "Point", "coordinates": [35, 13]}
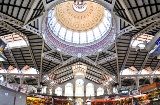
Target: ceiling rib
{"type": "Point", "coordinates": [109, 58]}
{"type": "Point", "coordinates": [61, 65]}
{"type": "Point", "coordinates": [11, 20]}
{"type": "Point", "coordinates": [31, 53]}
{"type": "Point", "coordinates": [29, 15]}
{"type": "Point", "coordinates": [126, 56]}
{"type": "Point", "coordinates": [52, 59]}
{"type": "Point", "coordinates": [44, 4]}
{"type": "Point", "coordinates": [99, 66]}
{"type": "Point", "coordinates": [13, 59]}
{"type": "Point", "coordinates": [145, 60]}
{"type": "Point", "coordinates": [127, 11]}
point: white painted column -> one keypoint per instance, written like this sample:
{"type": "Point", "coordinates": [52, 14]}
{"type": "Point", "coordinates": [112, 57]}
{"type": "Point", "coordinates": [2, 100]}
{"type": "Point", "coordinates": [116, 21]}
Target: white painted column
{"type": "Point", "coordinates": [137, 82]}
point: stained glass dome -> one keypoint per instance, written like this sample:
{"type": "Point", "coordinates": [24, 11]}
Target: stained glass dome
{"type": "Point", "coordinates": [76, 31]}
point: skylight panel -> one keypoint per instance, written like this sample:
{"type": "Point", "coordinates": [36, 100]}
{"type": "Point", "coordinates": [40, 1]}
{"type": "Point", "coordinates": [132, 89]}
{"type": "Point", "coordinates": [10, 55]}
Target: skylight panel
{"type": "Point", "coordinates": [102, 28]}
{"type": "Point", "coordinates": [90, 36]}
{"type": "Point", "coordinates": [62, 33]}
{"type": "Point", "coordinates": [75, 37]}
{"type": "Point", "coordinates": [129, 71]}
{"type": "Point", "coordinates": [68, 36]}
{"type": "Point", "coordinates": [97, 33]}
{"type": "Point", "coordinates": [83, 37]}
{"type": "Point", "coordinates": [141, 41]}
{"type": "Point", "coordinates": [14, 41]}
{"type": "Point", "coordinates": [57, 28]}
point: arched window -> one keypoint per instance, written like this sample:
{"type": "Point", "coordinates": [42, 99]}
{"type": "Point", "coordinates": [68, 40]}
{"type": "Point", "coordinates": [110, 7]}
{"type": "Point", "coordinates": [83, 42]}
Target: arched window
{"type": "Point", "coordinates": [58, 91]}
{"type": "Point", "coordinates": [89, 89]}
{"type": "Point", "coordinates": [69, 89]}
{"type": "Point", "coordinates": [79, 88]}
{"type": "Point", "coordinates": [100, 91]}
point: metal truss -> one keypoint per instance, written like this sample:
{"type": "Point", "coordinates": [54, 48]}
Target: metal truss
{"type": "Point", "coordinates": [125, 30]}
{"type": "Point", "coordinates": [98, 66]}
{"type": "Point", "coordinates": [127, 11]}
{"type": "Point", "coordinates": [152, 19]}
{"type": "Point", "coordinates": [111, 57]}
{"type": "Point", "coordinates": [113, 3]}
{"type": "Point", "coordinates": [32, 56]}
{"type": "Point", "coordinates": [13, 59]}
{"type": "Point", "coordinates": [148, 28]}
{"type": "Point", "coordinates": [109, 52]}
{"type": "Point", "coordinates": [14, 30]}
{"type": "Point", "coordinates": [44, 4]}
{"type": "Point", "coordinates": [33, 30]}
{"type": "Point", "coordinates": [158, 65]}
{"type": "Point", "coordinates": [61, 65]}
{"type": "Point", "coordinates": [126, 56]}
{"type": "Point", "coordinates": [10, 28]}
{"type": "Point", "coordinates": [51, 58]}
{"type": "Point", "coordinates": [53, 50]}
{"type": "Point", "coordinates": [148, 20]}
{"type": "Point", "coordinates": [48, 52]}
{"type": "Point", "coordinates": [11, 20]}
{"type": "Point", "coordinates": [29, 15]}
{"type": "Point", "coordinates": [145, 61]}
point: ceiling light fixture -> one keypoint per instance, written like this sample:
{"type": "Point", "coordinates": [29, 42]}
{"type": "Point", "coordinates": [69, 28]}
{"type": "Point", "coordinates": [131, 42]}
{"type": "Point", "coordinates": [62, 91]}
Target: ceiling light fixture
{"type": "Point", "coordinates": [79, 6]}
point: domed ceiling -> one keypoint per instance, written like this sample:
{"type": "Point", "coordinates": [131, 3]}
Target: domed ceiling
{"type": "Point", "coordinates": [79, 28]}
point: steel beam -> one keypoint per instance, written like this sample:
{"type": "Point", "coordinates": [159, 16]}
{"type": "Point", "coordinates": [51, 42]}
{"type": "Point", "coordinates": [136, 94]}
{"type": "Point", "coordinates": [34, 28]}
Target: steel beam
{"type": "Point", "coordinates": [145, 61]}
{"type": "Point", "coordinates": [52, 59]}
{"type": "Point", "coordinates": [126, 56]}
{"type": "Point", "coordinates": [41, 66]}
{"type": "Point", "coordinates": [117, 63]}
{"type": "Point", "coordinates": [152, 19]}
{"type": "Point", "coordinates": [148, 28]}
{"type": "Point", "coordinates": [98, 66]}
{"type": "Point", "coordinates": [48, 52]}
{"type": "Point", "coordinates": [61, 65]}
{"type": "Point", "coordinates": [127, 11]}
{"type": "Point", "coordinates": [44, 4]}
{"type": "Point", "coordinates": [158, 65]}
{"type": "Point", "coordinates": [33, 30]}
{"type": "Point", "coordinates": [31, 53]}
{"type": "Point", "coordinates": [148, 20]}
{"type": "Point", "coordinates": [111, 57]}
{"type": "Point", "coordinates": [124, 19]}
{"type": "Point", "coordinates": [13, 59]}
{"type": "Point", "coordinates": [61, 56]}
{"type": "Point", "coordinates": [34, 4]}
{"type": "Point", "coordinates": [113, 3]}
{"type": "Point", "coordinates": [97, 58]}
{"type": "Point", "coordinates": [11, 20]}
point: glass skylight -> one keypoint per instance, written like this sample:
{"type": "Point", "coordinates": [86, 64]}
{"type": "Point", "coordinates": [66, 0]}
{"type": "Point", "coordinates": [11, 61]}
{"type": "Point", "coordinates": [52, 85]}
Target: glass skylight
{"type": "Point", "coordinates": [14, 41]}
{"type": "Point", "coordinates": [141, 40]}
{"type": "Point", "coordinates": [129, 71]}
{"type": "Point", "coordinates": [79, 37]}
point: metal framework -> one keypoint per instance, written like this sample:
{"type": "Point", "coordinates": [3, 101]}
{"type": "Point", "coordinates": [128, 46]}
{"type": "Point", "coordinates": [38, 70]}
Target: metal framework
{"type": "Point", "coordinates": [25, 18]}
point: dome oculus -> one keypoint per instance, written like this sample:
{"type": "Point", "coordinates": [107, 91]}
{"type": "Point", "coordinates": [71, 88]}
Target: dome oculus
{"type": "Point", "coordinates": [79, 27]}
{"type": "Point", "coordinates": [79, 32]}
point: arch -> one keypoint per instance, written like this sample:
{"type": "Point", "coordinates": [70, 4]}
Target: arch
{"type": "Point", "coordinates": [100, 91]}
{"type": "Point", "coordinates": [69, 89]}
{"type": "Point", "coordinates": [89, 89]}
{"type": "Point", "coordinates": [79, 87]}
{"type": "Point", "coordinates": [58, 91]}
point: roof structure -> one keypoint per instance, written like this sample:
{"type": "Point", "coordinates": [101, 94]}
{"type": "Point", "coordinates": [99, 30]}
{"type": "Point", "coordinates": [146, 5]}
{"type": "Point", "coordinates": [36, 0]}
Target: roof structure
{"type": "Point", "coordinates": [24, 19]}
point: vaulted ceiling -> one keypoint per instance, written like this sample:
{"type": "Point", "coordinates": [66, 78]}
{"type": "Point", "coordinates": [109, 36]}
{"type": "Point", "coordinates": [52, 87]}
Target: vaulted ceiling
{"type": "Point", "coordinates": [133, 17]}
